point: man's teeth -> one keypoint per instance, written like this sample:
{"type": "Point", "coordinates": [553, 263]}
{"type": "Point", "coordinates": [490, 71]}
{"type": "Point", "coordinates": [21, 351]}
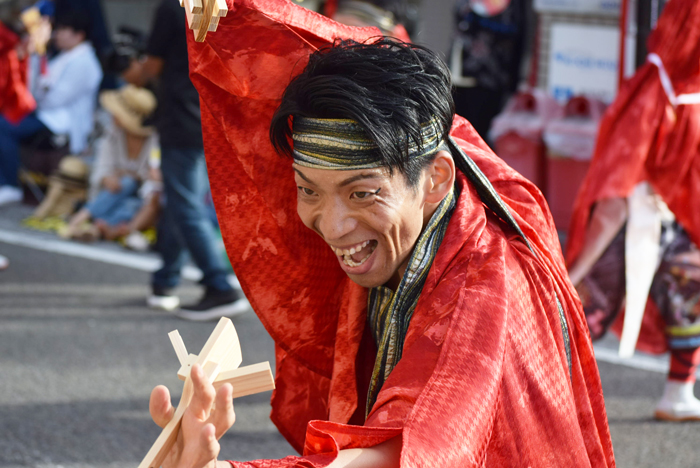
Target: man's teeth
{"type": "Point", "coordinates": [346, 254]}
{"type": "Point", "coordinates": [353, 250]}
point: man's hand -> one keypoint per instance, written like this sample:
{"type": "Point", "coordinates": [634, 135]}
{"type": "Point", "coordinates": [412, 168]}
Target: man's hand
{"type": "Point", "coordinates": [112, 183]}
{"type": "Point", "coordinates": [209, 415]}
{"type": "Point", "coordinates": [142, 71]}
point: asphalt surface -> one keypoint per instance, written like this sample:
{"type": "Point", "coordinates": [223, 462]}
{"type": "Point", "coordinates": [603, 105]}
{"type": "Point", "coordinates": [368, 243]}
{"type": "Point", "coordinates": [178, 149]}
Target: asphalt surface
{"type": "Point", "coordinates": [79, 355]}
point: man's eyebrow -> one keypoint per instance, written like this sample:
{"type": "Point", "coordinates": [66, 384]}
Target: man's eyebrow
{"type": "Point", "coordinates": [367, 175]}
{"type": "Point", "coordinates": [301, 174]}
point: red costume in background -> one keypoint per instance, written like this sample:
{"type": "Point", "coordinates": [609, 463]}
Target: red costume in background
{"type": "Point", "coordinates": [644, 136]}
{"type": "Point", "coordinates": [484, 378]}
{"type": "Point", "coordinates": [15, 99]}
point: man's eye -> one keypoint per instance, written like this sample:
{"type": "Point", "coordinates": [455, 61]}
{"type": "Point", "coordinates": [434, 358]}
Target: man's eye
{"type": "Point", "coordinates": [364, 195]}
{"type": "Point", "coordinates": [306, 191]}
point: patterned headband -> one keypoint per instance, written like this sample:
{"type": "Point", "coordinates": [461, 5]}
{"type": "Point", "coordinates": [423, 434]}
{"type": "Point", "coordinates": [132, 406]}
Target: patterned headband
{"type": "Point", "coordinates": [342, 144]}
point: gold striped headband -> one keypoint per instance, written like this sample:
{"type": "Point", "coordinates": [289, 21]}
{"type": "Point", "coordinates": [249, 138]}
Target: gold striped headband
{"type": "Point", "coordinates": [342, 144]}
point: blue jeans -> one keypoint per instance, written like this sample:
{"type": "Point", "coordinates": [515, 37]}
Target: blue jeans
{"type": "Point", "coordinates": [11, 135]}
{"type": "Point", "coordinates": [116, 208]}
{"type": "Point", "coordinates": [184, 225]}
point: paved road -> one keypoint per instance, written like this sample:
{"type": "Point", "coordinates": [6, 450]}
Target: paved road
{"type": "Point", "coordinates": [79, 355]}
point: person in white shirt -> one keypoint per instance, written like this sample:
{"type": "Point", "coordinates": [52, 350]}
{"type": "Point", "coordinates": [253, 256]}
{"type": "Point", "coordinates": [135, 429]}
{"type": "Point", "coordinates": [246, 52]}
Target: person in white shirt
{"type": "Point", "coordinates": [66, 97]}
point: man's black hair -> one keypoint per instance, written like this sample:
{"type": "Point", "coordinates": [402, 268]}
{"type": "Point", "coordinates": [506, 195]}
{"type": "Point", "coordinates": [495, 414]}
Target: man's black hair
{"type": "Point", "coordinates": [78, 21]}
{"type": "Point", "coordinates": [389, 87]}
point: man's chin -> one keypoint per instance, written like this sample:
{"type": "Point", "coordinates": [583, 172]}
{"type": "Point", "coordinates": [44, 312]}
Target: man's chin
{"type": "Point", "coordinates": [366, 280]}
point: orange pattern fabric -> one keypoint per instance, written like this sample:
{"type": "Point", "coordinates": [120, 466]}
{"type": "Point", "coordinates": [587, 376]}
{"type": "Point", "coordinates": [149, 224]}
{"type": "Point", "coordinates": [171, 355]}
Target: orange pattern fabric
{"type": "Point", "coordinates": [484, 379]}
{"type": "Point", "coordinates": [15, 99]}
{"type": "Point", "coordinates": [643, 137]}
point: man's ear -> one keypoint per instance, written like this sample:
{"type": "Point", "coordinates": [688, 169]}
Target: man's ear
{"type": "Point", "coordinates": [440, 177]}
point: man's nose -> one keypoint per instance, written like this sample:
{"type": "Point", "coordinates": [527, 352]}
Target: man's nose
{"type": "Point", "coordinates": [335, 221]}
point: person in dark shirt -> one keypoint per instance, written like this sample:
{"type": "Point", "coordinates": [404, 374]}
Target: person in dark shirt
{"type": "Point", "coordinates": [185, 226]}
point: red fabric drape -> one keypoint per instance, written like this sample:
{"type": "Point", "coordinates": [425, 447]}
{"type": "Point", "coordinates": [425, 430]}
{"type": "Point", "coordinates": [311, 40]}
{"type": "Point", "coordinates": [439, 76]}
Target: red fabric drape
{"type": "Point", "coordinates": [484, 376]}
{"type": "Point", "coordinates": [643, 137]}
{"type": "Point", "coordinates": [15, 99]}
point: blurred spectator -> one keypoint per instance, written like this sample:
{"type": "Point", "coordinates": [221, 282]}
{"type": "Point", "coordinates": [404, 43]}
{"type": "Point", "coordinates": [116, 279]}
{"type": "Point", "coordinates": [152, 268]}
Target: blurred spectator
{"type": "Point", "coordinates": [184, 225]}
{"type": "Point", "coordinates": [67, 189]}
{"type": "Point", "coordinates": [92, 9]}
{"type": "Point", "coordinates": [486, 57]}
{"type": "Point", "coordinates": [65, 97]}
{"type": "Point", "coordinates": [15, 99]}
{"type": "Point", "coordinates": [121, 167]}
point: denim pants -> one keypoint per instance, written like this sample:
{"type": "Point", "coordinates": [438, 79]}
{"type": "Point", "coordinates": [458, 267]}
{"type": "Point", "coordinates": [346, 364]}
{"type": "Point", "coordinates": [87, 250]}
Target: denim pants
{"type": "Point", "coordinates": [184, 225]}
{"type": "Point", "coordinates": [11, 135]}
{"type": "Point", "coordinates": [119, 207]}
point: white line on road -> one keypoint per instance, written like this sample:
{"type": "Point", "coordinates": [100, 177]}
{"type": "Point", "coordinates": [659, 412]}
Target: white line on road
{"type": "Point", "coordinates": [638, 361]}
{"type": "Point", "coordinates": [150, 264]}
{"type": "Point", "coordinates": [126, 259]}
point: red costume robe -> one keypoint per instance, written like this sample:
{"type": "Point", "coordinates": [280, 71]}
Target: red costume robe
{"type": "Point", "coordinates": [484, 379]}
{"type": "Point", "coordinates": [15, 99]}
{"type": "Point", "coordinates": [644, 137]}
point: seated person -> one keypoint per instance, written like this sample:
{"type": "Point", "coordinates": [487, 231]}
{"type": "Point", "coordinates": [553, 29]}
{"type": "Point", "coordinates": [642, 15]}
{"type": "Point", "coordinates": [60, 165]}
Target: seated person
{"type": "Point", "coordinates": [147, 216]}
{"type": "Point", "coordinates": [121, 167]}
{"type": "Point", "coordinates": [65, 97]}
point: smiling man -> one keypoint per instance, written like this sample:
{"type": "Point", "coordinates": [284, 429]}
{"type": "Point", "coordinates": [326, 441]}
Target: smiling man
{"type": "Point", "coordinates": [414, 285]}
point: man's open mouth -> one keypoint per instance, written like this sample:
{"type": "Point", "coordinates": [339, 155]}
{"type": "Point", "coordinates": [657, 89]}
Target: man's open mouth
{"type": "Point", "coordinates": [357, 254]}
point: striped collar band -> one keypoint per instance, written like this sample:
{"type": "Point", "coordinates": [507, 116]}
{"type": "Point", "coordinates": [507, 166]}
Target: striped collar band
{"type": "Point", "coordinates": [342, 144]}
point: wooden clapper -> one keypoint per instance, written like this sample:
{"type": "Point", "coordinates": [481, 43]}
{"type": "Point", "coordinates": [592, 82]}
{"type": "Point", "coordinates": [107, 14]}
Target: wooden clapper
{"type": "Point", "coordinates": [203, 16]}
{"type": "Point", "coordinates": [219, 358]}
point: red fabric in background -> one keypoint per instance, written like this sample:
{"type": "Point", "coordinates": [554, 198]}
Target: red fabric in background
{"type": "Point", "coordinates": [15, 99]}
{"type": "Point", "coordinates": [643, 137]}
{"type": "Point", "coordinates": [484, 377]}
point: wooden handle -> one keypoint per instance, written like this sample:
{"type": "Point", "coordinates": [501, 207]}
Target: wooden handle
{"type": "Point", "coordinates": [159, 450]}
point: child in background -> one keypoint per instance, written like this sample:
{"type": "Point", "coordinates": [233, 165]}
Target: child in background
{"type": "Point", "coordinates": [150, 194]}
{"type": "Point", "coordinates": [121, 167]}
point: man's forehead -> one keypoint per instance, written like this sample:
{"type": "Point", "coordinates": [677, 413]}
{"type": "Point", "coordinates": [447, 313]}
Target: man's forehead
{"type": "Point", "coordinates": [340, 178]}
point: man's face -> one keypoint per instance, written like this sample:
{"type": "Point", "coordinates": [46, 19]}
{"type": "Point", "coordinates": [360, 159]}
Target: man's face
{"type": "Point", "coordinates": [369, 218]}
{"type": "Point", "coordinates": [66, 38]}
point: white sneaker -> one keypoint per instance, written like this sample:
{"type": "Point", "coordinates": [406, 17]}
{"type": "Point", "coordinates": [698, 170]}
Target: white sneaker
{"type": "Point", "coordinates": [4, 262]}
{"type": "Point", "coordinates": [136, 241]}
{"type": "Point", "coordinates": [163, 299]}
{"type": "Point", "coordinates": [678, 403]}
{"type": "Point", "coordinates": [10, 194]}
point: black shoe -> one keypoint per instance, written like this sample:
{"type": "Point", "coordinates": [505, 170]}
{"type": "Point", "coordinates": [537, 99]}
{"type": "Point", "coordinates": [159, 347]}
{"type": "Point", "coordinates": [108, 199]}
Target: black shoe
{"type": "Point", "coordinates": [163, 298]}
{"type": "Point", "coordinates": [215, 304]}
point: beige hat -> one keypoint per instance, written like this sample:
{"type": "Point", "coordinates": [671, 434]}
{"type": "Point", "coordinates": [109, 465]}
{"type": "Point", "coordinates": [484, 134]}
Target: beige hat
{"type": "Point", "coordinates": [130, 105]}
{"type": "Point", "coordinates": [72, 167]}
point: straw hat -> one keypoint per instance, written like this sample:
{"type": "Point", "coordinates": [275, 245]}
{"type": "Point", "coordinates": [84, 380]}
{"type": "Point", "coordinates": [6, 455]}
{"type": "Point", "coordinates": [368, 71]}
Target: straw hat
{"type": "Point", "coordinates": [74, 168]}
{"type": "Point", "coordinates": [130, 105]}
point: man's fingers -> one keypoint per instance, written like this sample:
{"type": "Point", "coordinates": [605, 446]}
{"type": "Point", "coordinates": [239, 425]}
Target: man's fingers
{"type": "Point", "coordinates": [210, 445]}
{"type": "Point", "coordinates": [203, 397]}
{"type": "Point", "coordinates": [160, 407]}
{"type": "Point", "coordinates": [201, 450]}
{"type": "Point", "coordinates": [223, 416]}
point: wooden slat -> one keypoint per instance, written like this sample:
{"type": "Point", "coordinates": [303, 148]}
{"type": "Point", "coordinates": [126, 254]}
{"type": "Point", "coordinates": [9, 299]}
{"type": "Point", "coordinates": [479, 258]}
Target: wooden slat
{"type": "Point", "coordinates": [159, 450]}
{"type": "Point", "coordinates": [196, 7]}
{"type": "Point", "coordinates": [215, 349]}
{"type": "Point", "coordinates": [214, 24]}
{"type": "Point", "coordinates": [248, 380]}
{"type": "Point", "coordinates": [206, 19]}
{"type": "Point", "coordinates": [220, 8]}
{"type": "Point", "coordinates": [179, 346]}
